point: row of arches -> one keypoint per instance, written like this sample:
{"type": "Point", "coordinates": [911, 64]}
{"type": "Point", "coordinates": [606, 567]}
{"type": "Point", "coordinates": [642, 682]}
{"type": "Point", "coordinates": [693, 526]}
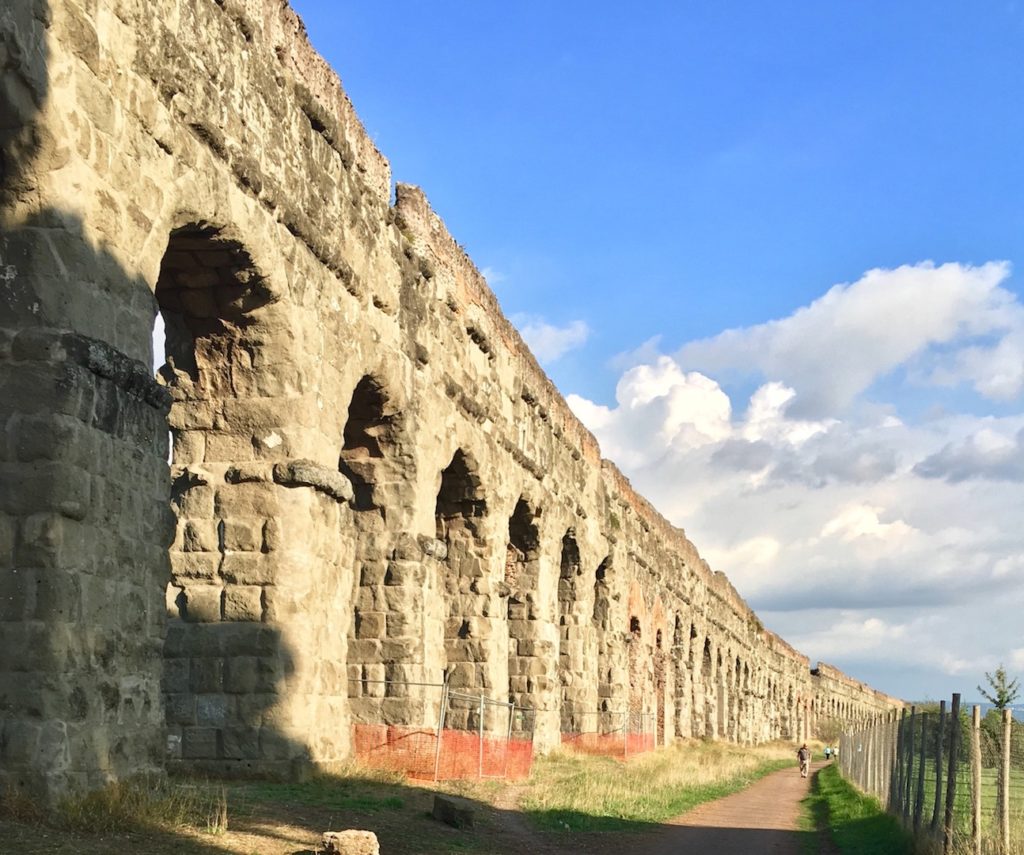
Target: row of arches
{"type": "Point", "coordinates": [495, 594]}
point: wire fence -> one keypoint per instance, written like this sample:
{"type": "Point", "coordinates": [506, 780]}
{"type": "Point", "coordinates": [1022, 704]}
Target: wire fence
{"type": "Point", "coordinates": [474, 736]}
{"type": "Point", "coordinates": [956, 780]}
{"type": "Point", "coordinates": [619, 734]}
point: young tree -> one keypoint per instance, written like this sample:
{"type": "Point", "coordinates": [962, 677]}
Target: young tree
{"type": "Point", "coordinates": [1004, 690]}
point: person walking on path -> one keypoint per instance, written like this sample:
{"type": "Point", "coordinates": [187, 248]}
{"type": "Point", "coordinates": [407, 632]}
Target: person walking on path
{"type": "Point", "coordinates": [804, 756]}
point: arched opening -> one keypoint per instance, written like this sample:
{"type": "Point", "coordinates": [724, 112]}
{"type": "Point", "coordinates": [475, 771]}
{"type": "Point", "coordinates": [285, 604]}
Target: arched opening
{"type": "Point", "coordinates": [746, 706]}
{"type": "Point", "coordinates": [682, 688]}
{"type": "Point", "coordinates": [368, 439]}
{"type": "Point", "coordinates": [212, 301]}
{"type": "Point", "coordinates": [601, 623]}
{"type": "Point", "coordinates": [460, 505]}
{"type": "Point", "coordinates": [707, 677]}
{"type": "Point", "coordinates": [527, 668]}
{"type": "Point", "coordinates": [659, 689]}
{"type": "Point", "coordinates": [390, 609]}
{"type": "Point", "coordinates": [735, 700]}
{"type": "Point", "coordinates": [207, 292]}
{"type": "Point", "coordinates": [602, 598]}
{"type": "Point", "coordinates": [636, 662]}
{"type": "Point", "coordinates": [721, 688]}
{"type": "Point", "coordinates": [570, 638]}
{"type": "Point", "coordinates": [459, 513]}
{"type": "Point", "coordinates": [697, 684]}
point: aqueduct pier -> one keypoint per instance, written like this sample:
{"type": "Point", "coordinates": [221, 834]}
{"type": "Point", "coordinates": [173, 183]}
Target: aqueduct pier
{"type": "Point", "coordinates": [372, 478]}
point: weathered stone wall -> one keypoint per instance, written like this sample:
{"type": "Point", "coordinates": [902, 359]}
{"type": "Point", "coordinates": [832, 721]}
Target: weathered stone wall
{"type": "Point", "coordinates": [373, 483]}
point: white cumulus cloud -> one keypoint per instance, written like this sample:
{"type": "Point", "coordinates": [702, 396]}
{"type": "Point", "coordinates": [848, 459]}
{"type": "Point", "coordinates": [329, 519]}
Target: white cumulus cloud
{"type": "Point", "coordinates": [862, 533]}
{"type": "Point", "coordinates": [548, 341]}
{"type": "Point", "coordinates": [835, 348]}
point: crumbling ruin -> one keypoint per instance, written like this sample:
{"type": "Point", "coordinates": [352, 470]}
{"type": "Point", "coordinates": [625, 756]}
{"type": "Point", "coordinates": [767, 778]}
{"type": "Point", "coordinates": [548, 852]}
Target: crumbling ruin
{"type": "Point", "coordinates": [373, 483]}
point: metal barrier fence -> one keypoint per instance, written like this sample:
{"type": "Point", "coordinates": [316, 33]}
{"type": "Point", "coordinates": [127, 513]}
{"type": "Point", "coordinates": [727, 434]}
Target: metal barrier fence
{"type": "Point", "coordinates": [474, 737]}
{"type": "Point", "coordinates": [955, 780]}
{"type": "Point", "coordinates": [619, 734]}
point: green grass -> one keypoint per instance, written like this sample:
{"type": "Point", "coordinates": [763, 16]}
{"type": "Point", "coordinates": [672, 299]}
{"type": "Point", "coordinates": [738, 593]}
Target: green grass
{"type": "Point", "coordinates": [962, 805]}
{"type": "Point", "coordinates": [575, 792]}
{"type": "Point", "coordinates": [857, 823]}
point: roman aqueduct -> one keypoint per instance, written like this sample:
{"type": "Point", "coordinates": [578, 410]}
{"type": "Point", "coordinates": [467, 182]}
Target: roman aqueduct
{"type": "Point", "coordinates": [372, 478]}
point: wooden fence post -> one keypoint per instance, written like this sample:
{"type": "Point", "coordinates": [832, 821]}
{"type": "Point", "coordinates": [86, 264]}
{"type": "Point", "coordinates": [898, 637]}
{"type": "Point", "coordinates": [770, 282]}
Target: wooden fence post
{"type": "Point", "coordinates": [1004, 782]}
{"type": "Point", "coordinates": [919, 796]}
{"type": "Point", "coordinates": [908, 778]}
{"type": "Point", "coordinates": [954, 747]}
{"type": "Point", "coordinates": [976, 779]}
{"type": "Point", "coordinates": [896, 794]}
{"type": "Point", "coordinates": [939, 732]}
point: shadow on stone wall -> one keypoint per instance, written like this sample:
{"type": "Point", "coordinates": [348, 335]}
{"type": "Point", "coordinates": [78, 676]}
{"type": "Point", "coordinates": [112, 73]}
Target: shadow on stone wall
{"type": "Point", "coordinates": [225, 686]}
{"type": "Point", "coordinates": [85, 522]}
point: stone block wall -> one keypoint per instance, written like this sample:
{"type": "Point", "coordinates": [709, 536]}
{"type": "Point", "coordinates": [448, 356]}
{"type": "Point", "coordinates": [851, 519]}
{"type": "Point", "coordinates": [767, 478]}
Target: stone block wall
{"type": "Point", "coordinates": [373, 487]}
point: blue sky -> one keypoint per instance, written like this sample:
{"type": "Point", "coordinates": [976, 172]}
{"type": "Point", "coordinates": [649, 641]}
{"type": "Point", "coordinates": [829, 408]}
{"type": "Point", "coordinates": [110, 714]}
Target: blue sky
{"type": "Point", "coordinates": [838, 186]}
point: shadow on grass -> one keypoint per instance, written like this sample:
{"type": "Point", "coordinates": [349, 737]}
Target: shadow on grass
{"type": "Point", "coordinates": [852, 823]}
{"type": "Point", "coordinates": [289, 818]}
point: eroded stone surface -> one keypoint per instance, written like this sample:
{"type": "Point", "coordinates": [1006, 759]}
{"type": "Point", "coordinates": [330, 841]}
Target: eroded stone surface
{"type": "Point", "coordinates": [350, 842]}
{"type": "Point", "coordinates": [373, 482]}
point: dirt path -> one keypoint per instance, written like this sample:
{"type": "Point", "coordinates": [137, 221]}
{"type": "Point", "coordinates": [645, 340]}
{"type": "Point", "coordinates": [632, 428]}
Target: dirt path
{"type": "Point", "coordinates": [762, 818]}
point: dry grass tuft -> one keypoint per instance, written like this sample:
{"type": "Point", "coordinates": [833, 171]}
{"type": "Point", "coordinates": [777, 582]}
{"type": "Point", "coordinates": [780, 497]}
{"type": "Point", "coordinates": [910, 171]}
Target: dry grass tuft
{"type": "Point", "coordinates": [145, 803]}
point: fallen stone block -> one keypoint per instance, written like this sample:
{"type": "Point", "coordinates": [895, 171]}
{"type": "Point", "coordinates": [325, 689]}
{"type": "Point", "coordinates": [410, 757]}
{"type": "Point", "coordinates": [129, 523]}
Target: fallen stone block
{"type": "Point", "coordinates": [351, 842]}
{"type": "Point", "coordinates": [454, 811]}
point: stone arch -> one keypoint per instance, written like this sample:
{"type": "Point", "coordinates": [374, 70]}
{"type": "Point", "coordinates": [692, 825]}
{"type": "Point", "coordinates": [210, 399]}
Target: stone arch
{"type": "Point", "coordinates": [601, 624]}
{"type": "Point", "coordinates": [602, 595]}
{"type": "Point", "coordinates": [694, 666]}
{"type": "Point", "coordinates": [460, 510]}
{"type": "Point", "coordinates": [527, 651]}
{"type": "Point", "coordinates": [748, 708]}
{"type": "Point", "coordinates": [679, 656]}
{"type": "Point", "coordinates": [637, 658]}
{"type": "Point", "coordinates": [390, 593]}
{"type": "Point", "coordinates": [237, 391]}
{"type": "Point", "coordinates": [722, 695]}
{"type": "Point", "coordinates": [658, 668]}
{"type": "Point", "coordinates": [460, 505]}
{"type": "Point", "coordinates": [208, 291]}
{"type": "Point", "coordinates": [707, 672]}
{"type": "Point", "coordinates": [370, 440]}
{"type": "Point", "coordinates": [576, 697]}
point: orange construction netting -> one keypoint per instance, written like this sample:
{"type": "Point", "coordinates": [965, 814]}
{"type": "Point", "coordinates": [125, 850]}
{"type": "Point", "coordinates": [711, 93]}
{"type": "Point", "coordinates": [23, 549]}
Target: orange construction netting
{"type": "Point", "coordinates": [609, 744]}
{"type": "Point", "coordinates": [463, 753]}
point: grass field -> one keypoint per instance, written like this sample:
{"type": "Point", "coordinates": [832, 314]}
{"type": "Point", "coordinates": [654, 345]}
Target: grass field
{"type": "Point", "coordinates": [963, 802]}
{"type": "Point", "coordinates": [575, 792]}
